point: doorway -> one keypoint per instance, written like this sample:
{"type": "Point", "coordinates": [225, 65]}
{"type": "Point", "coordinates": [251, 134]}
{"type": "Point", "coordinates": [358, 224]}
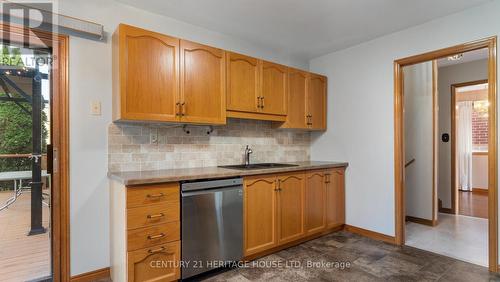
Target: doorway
{"type": "Point", "coordinates": [400, 182]}
{"type": "Point", "coordinates": [34, 198]}
{"type": "Point", "coordinates": [469, 150]}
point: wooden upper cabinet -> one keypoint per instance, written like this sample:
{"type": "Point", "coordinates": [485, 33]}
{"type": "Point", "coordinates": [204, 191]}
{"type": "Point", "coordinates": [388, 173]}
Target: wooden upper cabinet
{"type": "Point", "coordinates": [316, 98]}
{"type": "Point", "coordinates": [315, 202]}
{"type": "Point", "coordinates": [161, 78]}
{"type": "Point", "coordinates": [243, 83]}
{"type": "Point", "coordinates": [290, 207]}
{"type": "Point", "coordinates": [259, 214]}
{"type": "Point", "coordinates": [274, 89]}
{"type": "Point", "coordinates": [297, 97]}
{"type": "Point", "coordinates": [202, 83]}
{"type": "Point", "coordinates": [335, 197]}
{"type": "Point", "coordinates": [145, 75]}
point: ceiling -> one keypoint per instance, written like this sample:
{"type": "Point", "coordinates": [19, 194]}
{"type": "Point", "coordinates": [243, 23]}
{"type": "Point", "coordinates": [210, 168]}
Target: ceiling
{"type": "Point", "coordinates": [304, 28]}
{"type": "Point", "coordinates": [475, 55]}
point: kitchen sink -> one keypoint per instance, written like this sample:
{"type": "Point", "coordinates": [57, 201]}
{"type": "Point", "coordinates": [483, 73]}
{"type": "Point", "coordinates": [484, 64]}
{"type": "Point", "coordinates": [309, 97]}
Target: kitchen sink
{"type": "Point", "coordinates": [257, 166]}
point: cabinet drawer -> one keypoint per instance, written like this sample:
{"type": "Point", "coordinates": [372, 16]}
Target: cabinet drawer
{"type": "Point", "coordinates": [152, 215]}
{"type": "Point", "coordinates": [152, 236]}
{"type": "Point", "coordinates": [152, 194]}
{"type": "Point", "coordinates": [159, 263]}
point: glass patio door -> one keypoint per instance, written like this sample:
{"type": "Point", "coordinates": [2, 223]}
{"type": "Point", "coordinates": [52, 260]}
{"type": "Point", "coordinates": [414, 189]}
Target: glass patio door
{"type": "Point", "coordinates": [25, 182]}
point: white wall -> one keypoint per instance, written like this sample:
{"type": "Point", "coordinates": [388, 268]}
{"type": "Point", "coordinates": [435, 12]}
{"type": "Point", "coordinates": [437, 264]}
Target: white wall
{"type": "Point", "coordinates": [418, 97]}
{"type": "Point", "coordinates": [361, 108]}
{"type": "Point", "coordinates": [90, 79]}
{"type": "Point", "coordinates": [471, 71]}
{"type": "Point", "coordinates": [480, 171]}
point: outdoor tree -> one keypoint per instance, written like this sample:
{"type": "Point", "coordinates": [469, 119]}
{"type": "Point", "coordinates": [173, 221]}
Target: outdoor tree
{"type": "Point", "coordinates": [16, 122]}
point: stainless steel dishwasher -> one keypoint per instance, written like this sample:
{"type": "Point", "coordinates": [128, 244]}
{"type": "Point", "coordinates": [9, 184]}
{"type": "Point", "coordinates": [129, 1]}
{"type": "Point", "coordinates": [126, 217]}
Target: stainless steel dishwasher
{"type": "Point", "coordinates": [212, 224]}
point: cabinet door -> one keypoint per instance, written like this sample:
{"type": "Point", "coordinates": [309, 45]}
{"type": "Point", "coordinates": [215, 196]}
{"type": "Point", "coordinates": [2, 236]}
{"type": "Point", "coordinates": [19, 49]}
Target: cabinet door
{"type": "Point", "coordinates": [243, 83]}
{"type": "Point", "coordinates": [259, 212]}
{"type": "Point", "coordinates": [335, 197]}
{"type": "Point", "coordinates": [297, 93]}
{"type": "Point", "coordinates": [147, 72]}
{"type": "Point", "coordinates": [315, 202]}
{"type": "Point", "coordinates": [316, 97]}
{"type": "Point", "coordinates": [160, 263]}
{"type": "Point", "coordinates": [203, 83]}
{"type": "Point", "coordinates": [290, 207]}
{"type": "Point", "coordinates": [274, 89]}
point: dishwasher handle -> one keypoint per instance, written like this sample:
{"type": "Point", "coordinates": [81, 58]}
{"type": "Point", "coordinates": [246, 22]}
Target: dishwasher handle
{"type": "Point", "coordinates": [212, 191]}
{"type": "Point", "coordinates": [211, 184]}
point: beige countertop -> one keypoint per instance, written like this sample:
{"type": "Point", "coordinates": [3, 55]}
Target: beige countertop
{"type": "Point", "coordinates": [171, 175]}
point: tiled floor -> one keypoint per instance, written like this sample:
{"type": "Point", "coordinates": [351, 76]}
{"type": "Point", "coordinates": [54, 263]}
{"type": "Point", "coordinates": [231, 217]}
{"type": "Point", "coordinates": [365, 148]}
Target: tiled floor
{"type": "Point", "coordinates": [460, 237]}
{"type": "Point", "coordinates": [370, 261]}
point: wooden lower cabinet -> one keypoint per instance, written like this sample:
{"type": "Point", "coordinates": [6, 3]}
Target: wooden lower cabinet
{"type": "Point", "coordinates": [159, 263]}
{"type": "Point", "coordinates": [145, 232]}
{"type": "Point", "coordinates": [290, 207]}
{"type": "Point", "coordinates": [280, 209]}
{"type": "Point", "coordinates": [315, 202]}
{"type": "Point", "coordinates": [335, 198]}
{"type": "Point", "coordinates": [149, 237]}
{"type": "Point", "coordinates": [259, 214]}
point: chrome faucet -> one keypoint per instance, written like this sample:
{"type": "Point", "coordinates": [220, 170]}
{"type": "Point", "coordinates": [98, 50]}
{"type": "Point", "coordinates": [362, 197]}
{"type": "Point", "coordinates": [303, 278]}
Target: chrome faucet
{"type": "Point", "coordinates": [248, 151]}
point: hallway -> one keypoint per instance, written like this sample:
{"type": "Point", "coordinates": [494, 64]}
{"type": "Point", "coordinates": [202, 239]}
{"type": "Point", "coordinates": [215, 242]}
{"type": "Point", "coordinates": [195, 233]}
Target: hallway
{"type": "Point", "coordinates": [461, 237]}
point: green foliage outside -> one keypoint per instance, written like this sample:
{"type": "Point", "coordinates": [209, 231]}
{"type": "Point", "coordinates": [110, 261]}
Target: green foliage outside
{"type": "Point", "coordinates": [16, 126]}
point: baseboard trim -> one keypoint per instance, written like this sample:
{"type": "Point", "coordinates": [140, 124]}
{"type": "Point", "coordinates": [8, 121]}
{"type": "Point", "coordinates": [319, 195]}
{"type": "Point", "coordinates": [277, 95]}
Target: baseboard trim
{"type": "Point", "coordinates": [92, 275]}
{"type": "Point", "coordinates": [370, 234]}
{"type": "Point", "coordinates": [421, 220]}
{"type": "Point", "coordinates": [480, 190]}
{"type": "Point", "coordinates": [444, 210]}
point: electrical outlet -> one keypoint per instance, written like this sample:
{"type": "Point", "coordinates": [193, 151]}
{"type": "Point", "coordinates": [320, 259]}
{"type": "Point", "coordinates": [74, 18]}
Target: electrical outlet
{"type": "Point", "coordinates": [95, 108]}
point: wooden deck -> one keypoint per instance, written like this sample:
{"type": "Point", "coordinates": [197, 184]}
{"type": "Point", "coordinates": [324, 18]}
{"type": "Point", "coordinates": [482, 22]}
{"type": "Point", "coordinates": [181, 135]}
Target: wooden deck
{"type": "Point", "coordinates": [22, 257]}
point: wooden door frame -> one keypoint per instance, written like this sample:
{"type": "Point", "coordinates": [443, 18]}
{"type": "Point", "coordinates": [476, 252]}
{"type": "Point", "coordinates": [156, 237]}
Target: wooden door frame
{"type": "Point", "coordinates": [60, 220]}
{"type": "Point", "coordinates": [454, 194]}
{"type": "Point", "coordinates": [399, 182]}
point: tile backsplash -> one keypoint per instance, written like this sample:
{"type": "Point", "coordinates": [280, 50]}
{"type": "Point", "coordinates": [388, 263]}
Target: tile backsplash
{"type": "Point", "coordinates": [142, 147]}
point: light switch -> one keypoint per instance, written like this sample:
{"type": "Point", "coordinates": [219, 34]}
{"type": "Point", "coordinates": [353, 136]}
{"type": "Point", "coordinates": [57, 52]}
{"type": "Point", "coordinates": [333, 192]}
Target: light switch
{"type": "Point", "coordinates": [95, 108]}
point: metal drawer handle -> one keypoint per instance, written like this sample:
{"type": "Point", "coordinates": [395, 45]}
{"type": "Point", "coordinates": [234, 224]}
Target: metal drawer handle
{"type": "Point", "coordinates": [155, 195]}
{"type": "Point", "coordinates": [156, 250]}
{"type": "Point", "coordinates": [152, 237]}
{"type": "Point", "coordinates": [151, 216]}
